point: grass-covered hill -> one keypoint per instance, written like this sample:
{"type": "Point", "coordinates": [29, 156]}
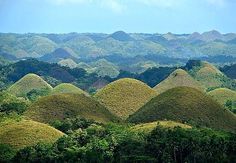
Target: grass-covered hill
{"type": "Point", "coordinates": [185, 104]}
{"type": "Point", "coordinates": [148, 127]}
{"type": "Point", "coordinates": [67, 88]}
{"type": "Point", "coordinates": [28, 83]}
{"type": "Point", "coordinates": [68, 63]}
{"type": "Point", "coordinates": [177, 78]}
{"type": "Point", "coordinates": [208, 75]}
{"type": "Point", "coordinates": [125, 96]}
{"type": "Point", "coordinates": [61, 106]}
{"type": "Point", "coordinates": [222, 95]}
{"type": "Point", "coordinates": [23, 133]}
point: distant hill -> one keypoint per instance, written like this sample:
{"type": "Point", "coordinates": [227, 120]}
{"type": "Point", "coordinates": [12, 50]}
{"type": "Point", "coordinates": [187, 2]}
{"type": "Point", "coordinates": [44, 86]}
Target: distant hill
{"type": "Point", "coordinates": [67, 88]}
{"type": "Point", "coordinates": [208, 75]}
{"type": "Point", "coordinates": [125, 96]}
{"type": "Point", "coordinates": [185, 104]}
{"type": "Point", "coordinates": [26, 133]}
{"type": "Point", "coordinates": [68, 105]}
{"type": "Point", "coordinates": [177, 78]}
{"type": "Point", "coordinates": [28, 83]}
{"type": "Point", "coordinates": [68, 63]}
{"type": "Point", "coordinates": [92, 45]}
{"type": "Point", "coordinates": [121, 36]}
{"type": "Point", "coordinates": [57, 55]}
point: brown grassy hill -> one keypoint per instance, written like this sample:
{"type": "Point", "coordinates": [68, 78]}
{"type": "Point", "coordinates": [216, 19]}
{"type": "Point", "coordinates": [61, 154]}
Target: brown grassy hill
{"type": "Point", "coordinates": [125, 96]}
{"type": "Point", "coordinates": [60, 106]}
{"type": "Point", "coordinates": [185, 104]}
{"type": "Point", "coordinates": [20, 134]}
{"type": "Point", "coordinates": [222, 95]}
{"type": "Point", "coordinates": [28, 83]}
{"type": "Point", "coordinates": [177, 78]}
{"type": "Point", "coordinates": [67, 88]}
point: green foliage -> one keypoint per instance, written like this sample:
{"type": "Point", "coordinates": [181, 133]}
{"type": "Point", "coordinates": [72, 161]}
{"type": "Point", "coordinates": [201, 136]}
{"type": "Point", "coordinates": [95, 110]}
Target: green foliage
{"type": "Point", "coordinates": [185, 104]}
{"type": "Point", "coordinates": [10, 103]}
{"type": "Point", "coordinates": [6, 153]}
{"type": "Point", "coordinates": [34, 94]}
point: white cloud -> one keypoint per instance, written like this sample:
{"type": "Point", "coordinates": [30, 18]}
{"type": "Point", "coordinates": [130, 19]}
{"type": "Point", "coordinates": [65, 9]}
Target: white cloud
{"type": "Point", "coordinates": [161, 3]}
{"type": "Point", "coordinates": [114, 5]}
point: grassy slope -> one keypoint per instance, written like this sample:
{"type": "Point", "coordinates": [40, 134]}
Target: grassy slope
{"type": "Point", "coordinates": [208, 75]}
{"type": "Point", "coordinates": [148, 127]}
{"type": "Point", "coordinates": [67, 88]}
{"type": "Point", "coordinates": [125, 96]}
{"type": "Point", "coordinates": [185, 104]}
{"type": "Point", "coordinates": [28, 83]}
{"type": "Point", "coordinates": [60, 106]}
{"type": "Point", "coordinates": [177, 78]}
{"type": "Point", "coordinates": [68, 63]}
{"type": "Point", "coordinates": [221, 95]}
{"type": "Point", "coordinates": [20, 134]}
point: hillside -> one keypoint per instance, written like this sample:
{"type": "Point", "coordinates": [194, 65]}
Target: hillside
{"type": "Point", "coordinates": [230, 71]}
{"type": "Point", "coordinates": [68, 63]}
{"type": "Point", "coordinates": [148, 127]}
{"type": "Point", "coordinates": [67, 88]}
{"type": "Point", "coordinates": [23, 133]}
{"type": "Point", "coordinates": [177, 78]}
{"type": "Point", "coordinates": [125, 96]}
{"type": "Point", "coordinates": [28, 83]}
{"type": "Point", "coordinates": [185, 104]}
{"type": "Point", "coordinates": [208, 75]}
{"type": "Point", "coordinates": [60, 106]}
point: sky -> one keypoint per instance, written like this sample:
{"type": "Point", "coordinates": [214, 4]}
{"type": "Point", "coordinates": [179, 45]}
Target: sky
{"type": "Point", "coordinates": [108, 16]}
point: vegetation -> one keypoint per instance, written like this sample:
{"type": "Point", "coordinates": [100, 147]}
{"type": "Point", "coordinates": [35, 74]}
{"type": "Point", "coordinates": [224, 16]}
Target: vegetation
{"type": "Point", "coordinates": [23, 133]}
{"type": "Point", "coordinates": [148, 127]}
{"type": "Point", "coordinates": [68, 105]}
{"type": "Point", "coordinates": [67, 88]}
{"type": "Point", "coordinates": [115, 143]}
{"type": "Point", "coordinates": [68, 63]}
{"type": "Point", "coordinates": [125, 96]}
{"type": "Point", "coordinates": [27, 84]}
{"type": "Point", "coordinates": [10, 103]}
{"type": "Point", "coordinates": [225, 97]}
{"type": "Point", "coordinates": [186, 105]}
{"type": "Point", "coordinates": [176, 79]}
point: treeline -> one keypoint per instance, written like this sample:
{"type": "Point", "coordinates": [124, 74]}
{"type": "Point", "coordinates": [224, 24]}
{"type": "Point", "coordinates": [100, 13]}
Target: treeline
{"type": "Point", "coordinates": [87, 141]}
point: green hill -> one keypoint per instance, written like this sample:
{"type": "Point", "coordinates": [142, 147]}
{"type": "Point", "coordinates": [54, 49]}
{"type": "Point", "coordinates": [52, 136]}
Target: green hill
{"type": "Point", "coordinates": [222, 95]}
{"type": "Point", "coordinates": [60, 106]}
{"type": "Point", "coordinates": [67, 88]}
{"type": "Point", "coordinates": [68, 63]}
{"type": "Point", "coordinates": [177, 78]}
{"type": "Point", "coordinates": [20, 134]}
{"type": "Point", "coordinates": [185, 104]}
{"type": "Point", "coordinates": [210, 77]}
{"type": "Point", "coordinates": [28, 83]}
{"type": "Point", "coordinates": [148, 127]}
{"type": "Point", "coordinates": [125, 96]}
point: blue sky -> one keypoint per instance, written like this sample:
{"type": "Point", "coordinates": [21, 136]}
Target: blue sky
{"type": "Point", "coordinates": [107, 16]}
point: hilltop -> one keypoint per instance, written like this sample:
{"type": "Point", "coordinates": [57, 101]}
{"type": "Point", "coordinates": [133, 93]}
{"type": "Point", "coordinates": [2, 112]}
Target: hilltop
{"type": "Point", "coordinates": [68, 63]}
{"type": "Point", "coordinates": [67, 88]}
{"type": "Point", "coordinates": [208, 75]}
{"type": "Point", "coordinates": [177, 78]}
{"type": "Point", "coordinates": [61, 106]}
{"type": "Point", "coordinates": [23, 133]}
{"type": "Point", "coordinates": [28, 83]}
{"type": "Point", "coordinates": [185, 104]}
{"type": "Point", "coordinates": [125, 96]}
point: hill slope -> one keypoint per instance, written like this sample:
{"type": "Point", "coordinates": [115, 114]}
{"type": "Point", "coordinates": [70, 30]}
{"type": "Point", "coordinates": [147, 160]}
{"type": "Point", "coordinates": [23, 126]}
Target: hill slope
{"type": "Point", "coordinates": [68, 63]}
{"type": "Point", "coordinates": [28, 83]}
{"type": "Point", "coordinates": [177, 78]}
{"type": "Point", "coordinates": [60, 106]}
{"type": "Point", "coordinates": [125, 96]}
{"type": "Point", "coordinates": [27, 133]}
{"type": "Point", "coordinates": [222, 95]}
{"type": "Point", "coordinates": [185, 104]}
{"type": "Point", "coordinates": [67, 88]}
